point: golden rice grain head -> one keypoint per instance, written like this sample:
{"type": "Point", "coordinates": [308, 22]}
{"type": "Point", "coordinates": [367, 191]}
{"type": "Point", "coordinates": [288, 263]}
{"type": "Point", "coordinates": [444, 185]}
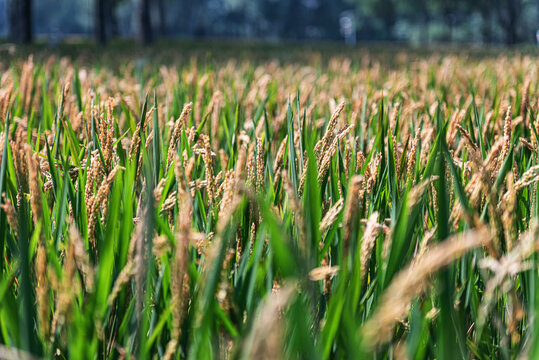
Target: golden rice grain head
{"type": "Point", "coordinates": [331, 215]}
{"type": "Point", "coordinates": [123, 278]}
{"type": "Point", "coordinates": [330, 152]}
{"type": "Point", "coordinates": [468, 137]}
{"type": "Point", "coordinates": [360, 161]}
{"type": "Point", "coordinates": [11, 214]}
{"type": "Point", "coordinates": [367, 243]}
{"type": "Point", "coordinates": [260, 165]}
{"type": "Point", "coordinates": [2, 143]}
{"type": "Point", "coordinates": [411, 161]}
{"type": "Point", "coordinates": [208, 162]}
{"type": "Point", "coordinates": [100, 201]}
{"type": "Point", "coordinates": [413, 280]}
{"type": "Point", "coordinates": [265, 340]}
{"type": "Point", "coordinates": [507, 131]}
{"type": "Point", "coordinates": [82, 258]}
{"type": "Point", "coordinates": [351, 209]}
{"type": "Point", "coordinates": [529, 177]}
{"type": "Point", "coordinates": [34, 184]}
{"type": "Point", "coordinates": [321, 146]}
{"type": "Point", "coordinates": [42, 291]}
{"type": "Point", "coordinates": [322, 272]}
{"type": "Point", "coordinates": [67, 291]}
{"type": "Point", "coordinates": [177, 130]}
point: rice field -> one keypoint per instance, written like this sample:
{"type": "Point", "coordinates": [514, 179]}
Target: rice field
{"type": "Point", "coordinates": [314, 205]}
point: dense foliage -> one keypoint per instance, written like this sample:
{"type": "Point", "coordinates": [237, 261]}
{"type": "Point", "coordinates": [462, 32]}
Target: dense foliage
{"type": "Point", "coordinates": [366, 205]}
{"type": "Point", "coordinates": [413, 21]}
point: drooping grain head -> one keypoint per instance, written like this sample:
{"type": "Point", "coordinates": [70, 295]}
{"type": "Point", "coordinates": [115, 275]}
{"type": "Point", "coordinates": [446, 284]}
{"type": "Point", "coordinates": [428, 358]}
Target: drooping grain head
{"type": "Point", "coordinates": [180, 124]}
{"type": "Point", "coordinates": [322, 145]}
{"type": "Point", "coordinates": [351, 208]}
{"type": "Point", "coordinates": [507, 131]}
{"type": "Point", "coordinates": [34, 184]}
{"type": "Point", "coordinates": [42, 291]}
{"type": "Point", "coordinates": [367, 243]}
{"type": "Point", "coordinates": [413, 280]}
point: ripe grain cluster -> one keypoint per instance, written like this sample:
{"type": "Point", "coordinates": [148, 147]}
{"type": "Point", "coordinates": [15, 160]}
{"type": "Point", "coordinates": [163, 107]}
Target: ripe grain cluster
{"type": "Point", "coordinates": [352, 208]}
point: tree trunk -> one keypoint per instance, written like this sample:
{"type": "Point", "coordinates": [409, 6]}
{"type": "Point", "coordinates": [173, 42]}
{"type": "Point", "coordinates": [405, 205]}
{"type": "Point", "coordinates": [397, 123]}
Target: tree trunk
{"type": "Point", "coordinates": [511, 28]}
{"type": "Point", "coordinates": [145, 25]}
{"type": "Point", "coordinates": [426, 24]}
{"type": "Point", "coordinates": [100, 21]}
{"type": "Point", "coordinates": [26, 21]}
{"type": "Point", "coordinates": [486, 27]}
{"type": "Point", "coordinates": [113, 19]}
{"type": "Point", "coordinates": [162, 17]}
{"type": "Point", "coordinates": [14, 25]}
{"type": "Point", "coordinates": [20, 21]}
{"type": "Point", "coordinates": [293, 24]}
{"type": "Point", "coordinates": [508, 17]}
{"type": "Point", "coordinates": [386, 10]}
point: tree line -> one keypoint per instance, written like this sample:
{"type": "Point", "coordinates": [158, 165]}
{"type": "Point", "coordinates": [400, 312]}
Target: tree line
{"type": "Point", "coordinates": [424, 21]}
{"type": "Point", "coordinates": [21, 27]}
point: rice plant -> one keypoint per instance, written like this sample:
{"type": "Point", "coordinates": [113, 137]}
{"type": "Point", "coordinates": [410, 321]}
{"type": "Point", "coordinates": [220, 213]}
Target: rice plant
{"type": "Point", "coordinates": [358, 206]}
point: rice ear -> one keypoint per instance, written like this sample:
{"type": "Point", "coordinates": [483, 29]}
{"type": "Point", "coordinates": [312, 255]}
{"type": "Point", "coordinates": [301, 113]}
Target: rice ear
{"type": "Point", "coordinates": [413, 280]}
{"type": "Point", "coordinates": [266, 339]}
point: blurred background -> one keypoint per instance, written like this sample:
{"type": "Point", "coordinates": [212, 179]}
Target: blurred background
{"type": "Point", "coordinates": [406, 21]}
